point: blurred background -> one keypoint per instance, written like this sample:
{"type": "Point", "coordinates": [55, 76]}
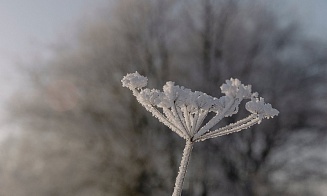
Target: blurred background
{"type": "Point", "coordinates": [68, 127]}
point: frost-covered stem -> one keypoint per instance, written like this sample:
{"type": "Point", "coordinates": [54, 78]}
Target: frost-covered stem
{"type": "Point", "coordinates": [159, 116]}
{"type": "Point", "coordinates": [214, 121]}
{"type": "Point", "coordinates": [194, 121]}
{"type": "Point", "coordinates": [182, 168]}
{"type": "Point", "coordinates": [229, 129]}
{"type": "Point", "coordinates": [179, 117]}
{"type": "Point", "coordinates": [203, 114]}
{"type": "Point", "coordinates": [169, 114]}
{"type": "Point", "coordinates": [187, 119]}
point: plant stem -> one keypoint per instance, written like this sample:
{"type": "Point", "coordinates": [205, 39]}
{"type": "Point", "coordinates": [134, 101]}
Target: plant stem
{"type": "Point", "coordinates": [182, 168]}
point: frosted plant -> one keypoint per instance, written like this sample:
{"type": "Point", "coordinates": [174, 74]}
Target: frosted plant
{"type": "Point", "coordinates": [184, 111]}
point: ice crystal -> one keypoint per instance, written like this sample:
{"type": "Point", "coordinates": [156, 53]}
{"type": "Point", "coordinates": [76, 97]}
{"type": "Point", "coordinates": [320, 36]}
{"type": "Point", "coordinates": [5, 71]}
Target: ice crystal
{"type": "Point", "coordinates": [262, 109]}
{"type": "Point", "coordinates": [184, 111]}
{"type": "Point", "coordinates": [134, 80]}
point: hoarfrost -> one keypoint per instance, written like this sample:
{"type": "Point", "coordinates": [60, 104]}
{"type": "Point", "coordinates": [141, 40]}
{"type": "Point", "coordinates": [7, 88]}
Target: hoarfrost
{"type": "Point", "coordinates": [184, 111]}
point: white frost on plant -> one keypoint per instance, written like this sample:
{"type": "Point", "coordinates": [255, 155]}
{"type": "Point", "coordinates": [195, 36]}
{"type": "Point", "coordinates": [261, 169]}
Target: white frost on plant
{"type": "Point", "coordinates": [262, 109]}
{"type": "Point", "coordinates": [235, 89]}
{"type": "Point", "coordinates": [184, 111]}
{"type": "Point", "coordinates": [134, 81]}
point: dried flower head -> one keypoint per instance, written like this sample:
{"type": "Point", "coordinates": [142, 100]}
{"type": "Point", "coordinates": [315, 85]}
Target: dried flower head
{"type": "Point", "coordinates": [184, 111]}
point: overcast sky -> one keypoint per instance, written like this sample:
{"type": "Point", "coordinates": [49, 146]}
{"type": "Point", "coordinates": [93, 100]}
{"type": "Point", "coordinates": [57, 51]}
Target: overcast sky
{"type": "Point", "coordinates": [28, 27]}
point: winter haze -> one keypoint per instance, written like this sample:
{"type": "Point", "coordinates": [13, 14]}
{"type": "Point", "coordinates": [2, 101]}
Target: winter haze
{"type": "Point", "coordinates": [68, 127]}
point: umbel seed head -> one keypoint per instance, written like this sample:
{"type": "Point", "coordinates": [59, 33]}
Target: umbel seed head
{"type": "Point", "coordinates": [184, 111]}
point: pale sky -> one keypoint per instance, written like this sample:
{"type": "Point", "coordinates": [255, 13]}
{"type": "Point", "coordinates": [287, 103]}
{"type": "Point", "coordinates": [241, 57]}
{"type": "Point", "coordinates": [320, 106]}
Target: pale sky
{"type": "Point", "coordinates": [27, 28]}
{"type": "Point", "coordinates": [26, 23]}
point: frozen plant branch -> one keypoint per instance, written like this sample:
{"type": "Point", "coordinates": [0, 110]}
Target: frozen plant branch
{"type": "Point", "coordinates": [184, 111]}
